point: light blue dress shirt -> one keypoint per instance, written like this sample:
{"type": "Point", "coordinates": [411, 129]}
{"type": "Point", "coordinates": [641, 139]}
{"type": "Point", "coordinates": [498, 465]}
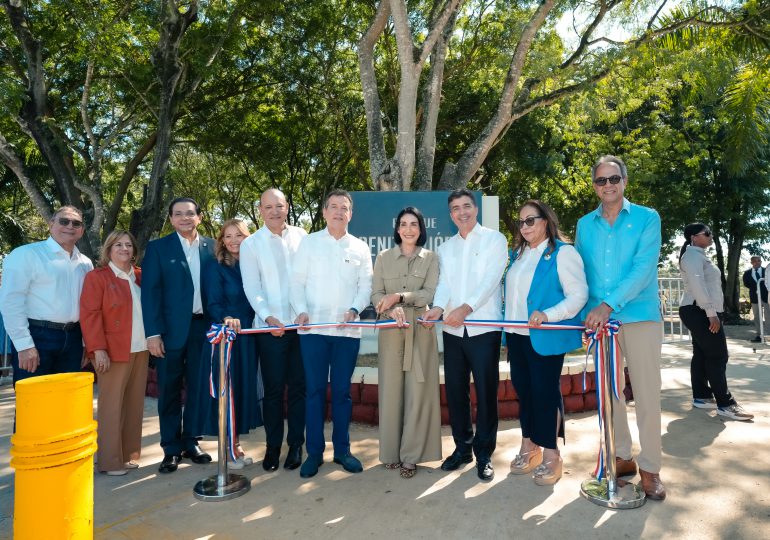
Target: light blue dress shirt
{"type": "Point", "coordinates": [621, 262]}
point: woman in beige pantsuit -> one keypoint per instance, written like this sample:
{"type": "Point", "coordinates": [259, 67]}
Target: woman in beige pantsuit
{"type": "Point", "coordinates": [405, 278]}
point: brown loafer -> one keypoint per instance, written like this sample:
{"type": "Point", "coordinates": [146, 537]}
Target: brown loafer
{"type": "Point", "coordinates": [625, 467]}
{"type": "Point", "coordinates": [652, 485]}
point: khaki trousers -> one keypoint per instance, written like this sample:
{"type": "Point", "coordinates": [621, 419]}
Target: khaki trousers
{"type": "Point", "coordinates": [120, 410]}
{"type": "Point", "coordinates": [640, 344]}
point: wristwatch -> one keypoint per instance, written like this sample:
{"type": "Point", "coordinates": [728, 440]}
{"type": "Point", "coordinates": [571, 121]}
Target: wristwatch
{"type": "Point", "coordinates": [354, 310]}
{"type": "Point", "coordinates": [400, 298]}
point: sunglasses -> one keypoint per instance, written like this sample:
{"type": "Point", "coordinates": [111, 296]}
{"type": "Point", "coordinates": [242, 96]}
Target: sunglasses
{"type": "Point", "coordinates": [602, 180]}
{"type": "Point", "coordinates": [705, 233]}
{"type": "Point", "coordinates": [66, 222]}
{"type": "Point", "coordinates": [529, 221]}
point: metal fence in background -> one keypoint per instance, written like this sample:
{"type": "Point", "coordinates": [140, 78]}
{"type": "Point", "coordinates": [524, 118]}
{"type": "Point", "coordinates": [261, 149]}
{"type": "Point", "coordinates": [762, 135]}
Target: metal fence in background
{"type": "Point", "coordinates": [670, 291]}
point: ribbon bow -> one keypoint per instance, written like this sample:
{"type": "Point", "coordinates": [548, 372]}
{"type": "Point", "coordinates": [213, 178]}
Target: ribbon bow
{"type": "Point", "coordinates": [223, 335]}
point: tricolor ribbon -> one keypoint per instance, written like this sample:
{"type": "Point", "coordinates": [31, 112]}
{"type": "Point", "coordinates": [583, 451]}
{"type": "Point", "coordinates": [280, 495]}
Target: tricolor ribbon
{"type": "Point", "coordinates": [224, 336]}
{"type": "Point", "coordinates": [604, 359]}
{"type": "Point", "coordinates": [376, 325]}
{"type": "Point", "coordinates": [502, 323]}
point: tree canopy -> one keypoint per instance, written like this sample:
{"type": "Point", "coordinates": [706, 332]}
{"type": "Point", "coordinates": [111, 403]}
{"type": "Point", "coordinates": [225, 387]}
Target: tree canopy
{"type": "Point", "coordinates": [115, 107]}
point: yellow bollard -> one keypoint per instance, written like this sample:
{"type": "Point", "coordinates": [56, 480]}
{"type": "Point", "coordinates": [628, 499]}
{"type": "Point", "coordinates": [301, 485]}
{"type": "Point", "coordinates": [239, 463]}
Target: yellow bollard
{"type": "Point", "coordinates": [52, 452]}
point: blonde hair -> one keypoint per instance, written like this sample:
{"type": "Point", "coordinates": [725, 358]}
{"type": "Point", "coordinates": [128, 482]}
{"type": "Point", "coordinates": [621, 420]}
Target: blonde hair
{"type": "Point", "coordinates": [111, 240]}
{"type": "Point", "coordinates": [224, 256]}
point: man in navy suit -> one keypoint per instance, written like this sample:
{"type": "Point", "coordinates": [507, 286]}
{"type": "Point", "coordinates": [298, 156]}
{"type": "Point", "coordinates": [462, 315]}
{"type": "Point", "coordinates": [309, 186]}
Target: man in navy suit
{"type": "Point", "coordinates": [751, 277]}
{"type": "Point", "coordinates": [175, 324]}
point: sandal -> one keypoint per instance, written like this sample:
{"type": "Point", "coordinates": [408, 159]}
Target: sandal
{"type": "Point", "coordinates": [548, 473]}
{"type": "Point", "coordinates": [524, 463]}
{"type": "Point", "coordinates": [391, 466]}
{"type": "Point", "coordinates": [408, 473]}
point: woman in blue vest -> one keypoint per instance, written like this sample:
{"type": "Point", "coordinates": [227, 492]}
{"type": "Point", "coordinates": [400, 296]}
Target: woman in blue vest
{"type": "Point", "coordinates": [545, 283]}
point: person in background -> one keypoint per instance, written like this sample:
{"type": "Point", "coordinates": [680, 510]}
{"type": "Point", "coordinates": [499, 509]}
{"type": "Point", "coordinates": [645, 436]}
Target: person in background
{"type": "Point", "coordinates": [45, 336]}
{"type": "Point", "coordinates": [545, 283]}
{"type": "Point", "coordinates": [405, 279]}
{"type": "Point", "coordinates": [751, 278]}
{"type": "Point", "coordinates": [226, 303]}
{"type": "Point", "coordinates": [700, 310]}
{"type": "Point", "coordinates": [113, 332]}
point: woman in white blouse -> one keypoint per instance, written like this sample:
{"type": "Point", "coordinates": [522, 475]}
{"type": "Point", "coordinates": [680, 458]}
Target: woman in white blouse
{"type": "Point", "coordinates": [545, 283]}
{"type": "Point", "coordinates": [700, 310]}
{"type": "Point", "coordinates": [113, 332]}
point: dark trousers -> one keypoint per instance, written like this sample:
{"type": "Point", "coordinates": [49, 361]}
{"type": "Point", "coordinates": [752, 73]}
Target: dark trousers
{"type": "Point", "coordinates": [536, 379]}
{"type": "Point", "coordinates": [708, 368]}
{"type": "Point", "coordinates": [332, 359]}
{"type": "Point", "coordinates": [59, 351]}
{"type": "Point", "coordinates": [181, 368]}
{"type": "Point", "coordinates": [281, 365]}
{"type": "Point", "coordinates": [479, 355]}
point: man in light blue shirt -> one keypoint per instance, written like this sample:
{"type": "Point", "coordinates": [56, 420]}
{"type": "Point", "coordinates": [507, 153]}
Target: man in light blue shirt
{"type": "Point", "coordinates": [620, 246]}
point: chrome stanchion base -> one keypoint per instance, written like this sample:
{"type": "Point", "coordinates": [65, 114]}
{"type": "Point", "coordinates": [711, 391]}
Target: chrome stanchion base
{"type": "Point", "coordinates": [209, 489]}
{"type": "Point", "coordinates": [626, 496]}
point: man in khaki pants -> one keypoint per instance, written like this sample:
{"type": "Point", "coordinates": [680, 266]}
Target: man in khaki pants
{"type": "Point", "coordinates": [620, 246]}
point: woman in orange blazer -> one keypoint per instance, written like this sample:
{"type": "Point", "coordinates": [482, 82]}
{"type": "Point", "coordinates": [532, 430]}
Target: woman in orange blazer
{"type": "Point", "coordinates": [113, 332]}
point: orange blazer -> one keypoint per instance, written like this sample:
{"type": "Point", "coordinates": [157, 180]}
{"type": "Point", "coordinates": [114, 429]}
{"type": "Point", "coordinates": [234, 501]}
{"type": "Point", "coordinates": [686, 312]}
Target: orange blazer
{"type": "Point", "coordinates": [106, 313]}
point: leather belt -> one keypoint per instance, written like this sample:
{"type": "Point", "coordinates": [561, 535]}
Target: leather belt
{"type": "Point", "coordinates": [197, 316]}
{"type": "Point", "coordinates": [67, 326]}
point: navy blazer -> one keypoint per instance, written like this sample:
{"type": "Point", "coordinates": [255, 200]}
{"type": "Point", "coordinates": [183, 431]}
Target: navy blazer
{"type": "Point", "coordinates": [167, 288]}
{"type": "Point", "coordinates": [751, 284]}
{"type": "Point", "coordinates": [223, 290]}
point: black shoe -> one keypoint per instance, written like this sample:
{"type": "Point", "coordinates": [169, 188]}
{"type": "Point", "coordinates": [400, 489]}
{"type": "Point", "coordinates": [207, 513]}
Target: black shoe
{"type": "Point", "coordinates": [485, 470]}
{"type": "Point", "coordinates": [454, 461]}
{"type": "Point", "coordinates": [197, 455]}
{"type": "Point", "coordinates": [169, 464]}
{"type": "Point", "coordinates": [293, 458]}
{"type": "Point", "coordinates": [272, 458]}
{"type": "Point", "coordinates": [756, 340]}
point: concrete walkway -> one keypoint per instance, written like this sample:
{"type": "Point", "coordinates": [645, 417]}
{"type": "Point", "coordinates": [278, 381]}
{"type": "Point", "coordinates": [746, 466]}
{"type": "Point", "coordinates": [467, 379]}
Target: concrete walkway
{"type": "Point", "coordinates": [717, 474]}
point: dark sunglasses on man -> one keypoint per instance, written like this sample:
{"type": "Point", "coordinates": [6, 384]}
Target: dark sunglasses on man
{"type": "Point", "coordinates": [66, 222]}
{"type": "Point", "coordinates": [602, 180]}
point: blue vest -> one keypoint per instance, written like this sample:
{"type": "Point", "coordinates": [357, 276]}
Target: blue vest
{"type": "Point", "coordinates": [546, 292]}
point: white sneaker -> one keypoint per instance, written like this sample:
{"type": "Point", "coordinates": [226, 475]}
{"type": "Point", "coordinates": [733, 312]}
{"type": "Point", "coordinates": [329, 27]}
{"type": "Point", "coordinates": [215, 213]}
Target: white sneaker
{"type": "Point", "coordinates": [710, 403]}
{"type": "Point", "coordinates": [735, 412]}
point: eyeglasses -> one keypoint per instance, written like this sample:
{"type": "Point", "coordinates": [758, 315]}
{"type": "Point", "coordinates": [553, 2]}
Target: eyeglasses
{"type": "Point", "coordinates": [602, 180]}
{"type": "Point", "coordinates": [529, 221]}
{"type": "Point", "coordinates": [66, 222]}
{"type": "Point", "coordinates": [706, 233]}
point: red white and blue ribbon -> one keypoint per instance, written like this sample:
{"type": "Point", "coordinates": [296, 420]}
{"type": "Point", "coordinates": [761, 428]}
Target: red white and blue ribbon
{"type": "Point", "coordinates": [604, 359]}
{"type": "Point", "coordinates": [501, 323]}
{"type": "Point", "coordinates": [374, 325]}
{"type": "Point", "coordinates": [224, 336]}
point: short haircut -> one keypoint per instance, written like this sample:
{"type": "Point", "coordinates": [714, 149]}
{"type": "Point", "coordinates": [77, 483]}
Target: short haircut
{"type": "Point", "coordinates": [420, 220]}
{"type": "Point", "coordinates": [67, 208]}
{"type": "Point", "coordinates": [338, 193]}
{"type": "Point", "coordinates": [756, 257]}
{"type": "Point", "coordinates": [463, 192]}
{"type": "Point", "coordinates": [183, 200]}
{"type": "Point", "coordinates": [111, 240]}
{"type": "Point", "coordinates": [609, 159]}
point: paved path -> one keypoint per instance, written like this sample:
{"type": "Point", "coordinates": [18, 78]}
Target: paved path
{"type": "Point", "coordinates": [717, 473]}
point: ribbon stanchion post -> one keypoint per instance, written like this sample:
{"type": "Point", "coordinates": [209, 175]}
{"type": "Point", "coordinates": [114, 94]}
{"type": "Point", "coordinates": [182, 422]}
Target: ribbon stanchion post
{"type": "Point", "coordinates": [760, 311]}
{"type": "Point", "coordinates": [605, 489]}
{"type": "Point", "coordinates": [223, 485]}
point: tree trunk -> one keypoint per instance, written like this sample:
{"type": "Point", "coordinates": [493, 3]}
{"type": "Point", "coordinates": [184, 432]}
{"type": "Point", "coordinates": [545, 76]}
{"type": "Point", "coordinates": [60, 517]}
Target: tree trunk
{"type": "Point", "coordinates": [149, 218]}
